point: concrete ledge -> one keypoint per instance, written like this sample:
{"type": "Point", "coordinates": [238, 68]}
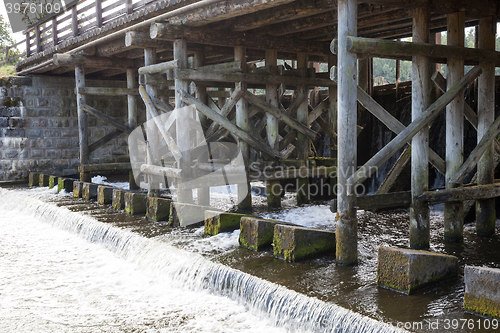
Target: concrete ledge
{"type": "Point", "coordinates": [217, 222]}
{"type": "Point", "coordinates": [34, 179]}
{"type": "Point", "coordinates": [118, 201]}
{"type": "Point", "coordinates": [53, 181]}
{"type": "Point", "coordinates": [482, 291]}
{"type": "Point", "coordinates": [406, 270]}
{"type": "Point", "coordinates": [104, 194]}
{"type": "Point", "coordinates": [184, 215]}
{"type": "Point", "coordinates": [257, 233]}
{"type": "Point", "coordinates": [64, 184]}
{"type": "Point", "coordinates": [89, 191]}
{"type": "Point", "coordinates": [158, 209]}
{"type": "Point", "coordinates": [294, 243]}
{"type": "Point", "coordinates": [135, 203]}
{"type": "Point", "coordinates": [43, 180]}
{"type": "Point", "coordinates": [77, 189]}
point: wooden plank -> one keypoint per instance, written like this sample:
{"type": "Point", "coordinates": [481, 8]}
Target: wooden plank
{"type": "Point", "coordinates": [403, 137]}
{"type": "Point", "coordinates": [161, 171]}
{"type": "Point", "coordinates": [104, 167]}
{"type": "Point", "coordinates": [248, 138]}
{"type": "Point", "coordinates": [395, 171]}
{"type": "Point", "coordinates": [393, 200]}
{"type": "Point", "coordinates": [275, 112]}
{"type": "Point", "coordinates": [64, 59]}
{"type": "Point", "coordinates": [461, 194]}
{"type": "Point", "coordinates": [107, 91]}
{"type": "Point", "coordinates": [105, 139]}
{"type": "Point", "coordinates": [159, 104]}
{"type": "Point", "coordinates": [160, 68]}
{"type": "Point", "coordinates": [228, 67]}
{"type": "Point", "coordinates": [106, 118]}
{"type": "Point", "coordinates": [227, 108]}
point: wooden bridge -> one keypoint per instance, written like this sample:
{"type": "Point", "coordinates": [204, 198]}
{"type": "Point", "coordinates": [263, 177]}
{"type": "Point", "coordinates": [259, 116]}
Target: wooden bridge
{"type": "Point", "coordinates": [160, 47]}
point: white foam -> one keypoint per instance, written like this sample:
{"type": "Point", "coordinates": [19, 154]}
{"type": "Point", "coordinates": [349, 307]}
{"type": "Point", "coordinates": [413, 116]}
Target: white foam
{"type": "Point", "coordinates": [318, 216]}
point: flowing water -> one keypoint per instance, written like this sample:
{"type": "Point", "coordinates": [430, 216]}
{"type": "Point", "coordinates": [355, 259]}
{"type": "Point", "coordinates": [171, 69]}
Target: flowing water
{"type": "Point", "coordinates": [67, 265]}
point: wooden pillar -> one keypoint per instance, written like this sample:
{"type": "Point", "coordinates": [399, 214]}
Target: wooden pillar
{"type": "Point", "coordinates": [151, 130]}
{"type": "Point", "coordinates": [183, 137]}
{"type": "Point", "coordinates": [332, 118]}
{"type": "Point", "coordinates": [303, 141]}
{"type": "Point", "coordinates": [74, 20]}
{"type": "Point", "coordinates": [129, 7]}
{"type": "Point", "coordinates": [363, 71]}
{"type": "Point", "coordinates": [453, 211]}
{"type": "Point", "coordinates": [82, 124]}
{"type": "Point", "coordinates": [98, 13]}
{"type": "Point", "coordinates": [485, 209]}
{"type": "Point", "coordinates": [54, 31]}
{"type": "Point", "coordinates": [132, 116]}
{"type": "Point", "coordinates": [244, 189]}
{"type": "Point", "coordinates": [419, 211]}
{"type": "Point", "coordinates": [201, 95]}
{"type": "Point", "coordinates": [347, 223]}
{"type": "Point", "coordinates": [273, 187]}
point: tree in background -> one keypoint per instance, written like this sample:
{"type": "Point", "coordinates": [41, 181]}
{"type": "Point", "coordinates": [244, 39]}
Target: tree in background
{"type": "Point", "coordinates": [6, 40]}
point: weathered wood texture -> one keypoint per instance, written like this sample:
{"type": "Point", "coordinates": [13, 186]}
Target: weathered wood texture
{"type": "Point", "coordinates": [82, 123]}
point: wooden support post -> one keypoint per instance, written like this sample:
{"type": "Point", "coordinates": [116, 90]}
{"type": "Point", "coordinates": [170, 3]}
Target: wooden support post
{"type": "Point", "coordinates": [303, 141]}
{"type": "Point", "coordinates": [332, 117]}
{"type": "Point", "coordinates": [485, 209]}
{"type": "Point", "coordinates": [98, 13]}
{"type": "Point", "coordinates": [201, 95]}
{"type": "Point", "coordinates": [151, 130]}
{"type": "Point", "coordinates": [82, 124]}
{"type": "Point", "coordinates": [273, 187]}
{"type": "Point", "coordinates": [242, 121]}
{"type": "Point", "coordinates": [74, 20]}
{"type": "Point", "coordinates": [347, 223]}
{"type": "Point", "coordinates": [453, 211]}
{"type": "Point", "coordinates": [132, 117]}
{"type": "Point", "coordinates": [129, 7]}
{"type": "Point", "coordinates": [419, 212]}
{"type": "Point", "coordinates": [54, 31]}
{"type": "Point", "coordinates": [183, 136]}
{"type": "Point", "coordinates": [38, 39]}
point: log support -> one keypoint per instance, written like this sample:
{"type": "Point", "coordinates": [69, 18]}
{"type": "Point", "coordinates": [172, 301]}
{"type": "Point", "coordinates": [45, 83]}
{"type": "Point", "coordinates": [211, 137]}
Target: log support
{"type": "Point", "coordinates": [303, 193]}
{"type": "Point", "coordinates": [347, 224]}
{"type": "Point", "coordinates": [419, 212]}
{"type": "Point", "coordinates": [273, 187]}
{"type": "Point", "coordinates": [485, 209]}
{"type": "Point", "coordinates": [82, 123]}
{"type": "Point", "coordinates": [453, 211]}
{"type": "Point", "coordinates": [132, 117]}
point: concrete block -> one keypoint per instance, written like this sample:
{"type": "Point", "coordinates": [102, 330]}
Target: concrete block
{"type": "Point", "coordinates": [406, 270]}
{"type": "Point", "coordinates": [104, 194]}
{"type": "Point", "coordinates": [158, 209]}
{"type": "Point", "coordinates": [294, 243]}
{"type": "Point", "coordinates": [34, 179]}
{"type": "Point", "coordinates": [217, 222]}
{"type": "Point", "coordinates": [135, 203]}
{"type": "Point", "coordinates": [77, 189]}
{"type": "Point", "coordinates": [64, 184]}
{"type": "Point", "coordinates": [53, 181]}
{"type": "Point", "coordinates": [184, 215]}
{"type": "Point", "coordinates": [89, 191]}
{"type": "Point", "coordinates": [44, 180]}
{"type": "Point", "coordinates": [118, 200]}
{"type": "Point", "coordinates": [257, 233]}
{"type": "Point", "coordinates": [482, 291]}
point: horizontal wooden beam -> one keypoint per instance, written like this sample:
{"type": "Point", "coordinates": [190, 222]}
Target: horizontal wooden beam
{"type": "Point", "coordinates": [235, 66]}
{"type": "Point", "coordinates": [106, 118]}
{"type": "Point", "coordinates": [104, 167]}
{"type": "Point", "coordinates": [107, 91]}
{"type": "Point", "coordinates": [70, 60]}
{"type": "Point", "coordinates": [134, 39]}
{"type": "Point", "coordinates": [391, 200]}
{"type": "Point", "coordinates": [161, 171]}
{"type": "Point", "coordinates": [160, 68]}
{"type": "Point", "coordinates": [463, 193]}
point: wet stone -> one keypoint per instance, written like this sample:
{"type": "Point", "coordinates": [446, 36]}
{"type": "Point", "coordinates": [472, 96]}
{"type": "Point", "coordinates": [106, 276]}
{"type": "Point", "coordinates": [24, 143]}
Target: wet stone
{"type": "Point", "coordinates": [53, 181]}
{"type": "Point", "coordinates": [217, 222]}
{"type": "Point", "coordinates": [118, 199]}
{"type": "Point", "coordinates": [44, 180]}
{"type": "Point", "coordinates": [158, 209]}
{"type": "Point", "coordinates": [183, 215]}
{"type": "Point", "coordinates": [257, 233]}
{"type": "Point", "coordinates": [64, 184]}
{"type": "Point", "coordinates": [406, 270]}
{"type": "Point", "coordinates": [482, 291]}
{"type": "Point", "coordinates": [89, 191]}
{"type": "Point", "coordinates": [104, 194]}
{"type": "Point", "coordinates": [294, 243]}
{"type": "Point", "coordinates": [34, 179]}
{"type": "Point", "coordinates": [135, 203]}
{"type": "Point", "coordinates": [77, 189]}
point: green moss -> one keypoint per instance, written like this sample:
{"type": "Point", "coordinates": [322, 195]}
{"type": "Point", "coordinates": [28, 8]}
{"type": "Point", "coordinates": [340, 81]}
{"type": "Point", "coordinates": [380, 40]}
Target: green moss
{"type": "Point", "coordinates": [118, 199]}
{"type": "Point", "coordinates": [158, 209]}
{"type": "Point", "coordinates": [104, 195]}
{"type": "Point", "coordinates": [216, 223]}
{"type": "Point", "coordinates": [34, 179]}
{"type": "Point", "coordinates": [52, 181]}
{"type": "Point", "coordinates": [135, 203]}
{"type": "Point", "coordinates": [10, 102]}
{"type": "Point", "coordinates": [482, 306]}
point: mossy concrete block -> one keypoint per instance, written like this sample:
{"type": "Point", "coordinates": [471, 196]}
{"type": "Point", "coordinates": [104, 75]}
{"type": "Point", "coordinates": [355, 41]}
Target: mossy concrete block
{"type": "Point", "coordinates": [89, 191]}
{"type": "Point", "coordinates": [135, 203]}
{"type": "Point", "coordinates": [64, 184]}
{"type": "Point", "coordinates": [77, 189]}
{"type": "Point", "coordinates": [118, 199]}
{"type": "Point", "coordinates": [294, 243]}
{"type": "Point", "coordinates": [43, 180]}
{"type": "Point", "coordinates": [406, 270]}
{"type": "Point", "coordinates": [256, 233]}
{"type": "Point", "coordinates": [217, 222]}
{"type": "Point", "coordinates": [158, 209]}
{"type": "Point", "coordinates": [184, 215]}
{"type": "Point", "coordinates": [482, 291]}
{"type": "Point", "coordinates": [104, 194]}
{"type": "Point", "coordinates": [34, 179]}
{"type": "Point", "coordinates": [53, 181]}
